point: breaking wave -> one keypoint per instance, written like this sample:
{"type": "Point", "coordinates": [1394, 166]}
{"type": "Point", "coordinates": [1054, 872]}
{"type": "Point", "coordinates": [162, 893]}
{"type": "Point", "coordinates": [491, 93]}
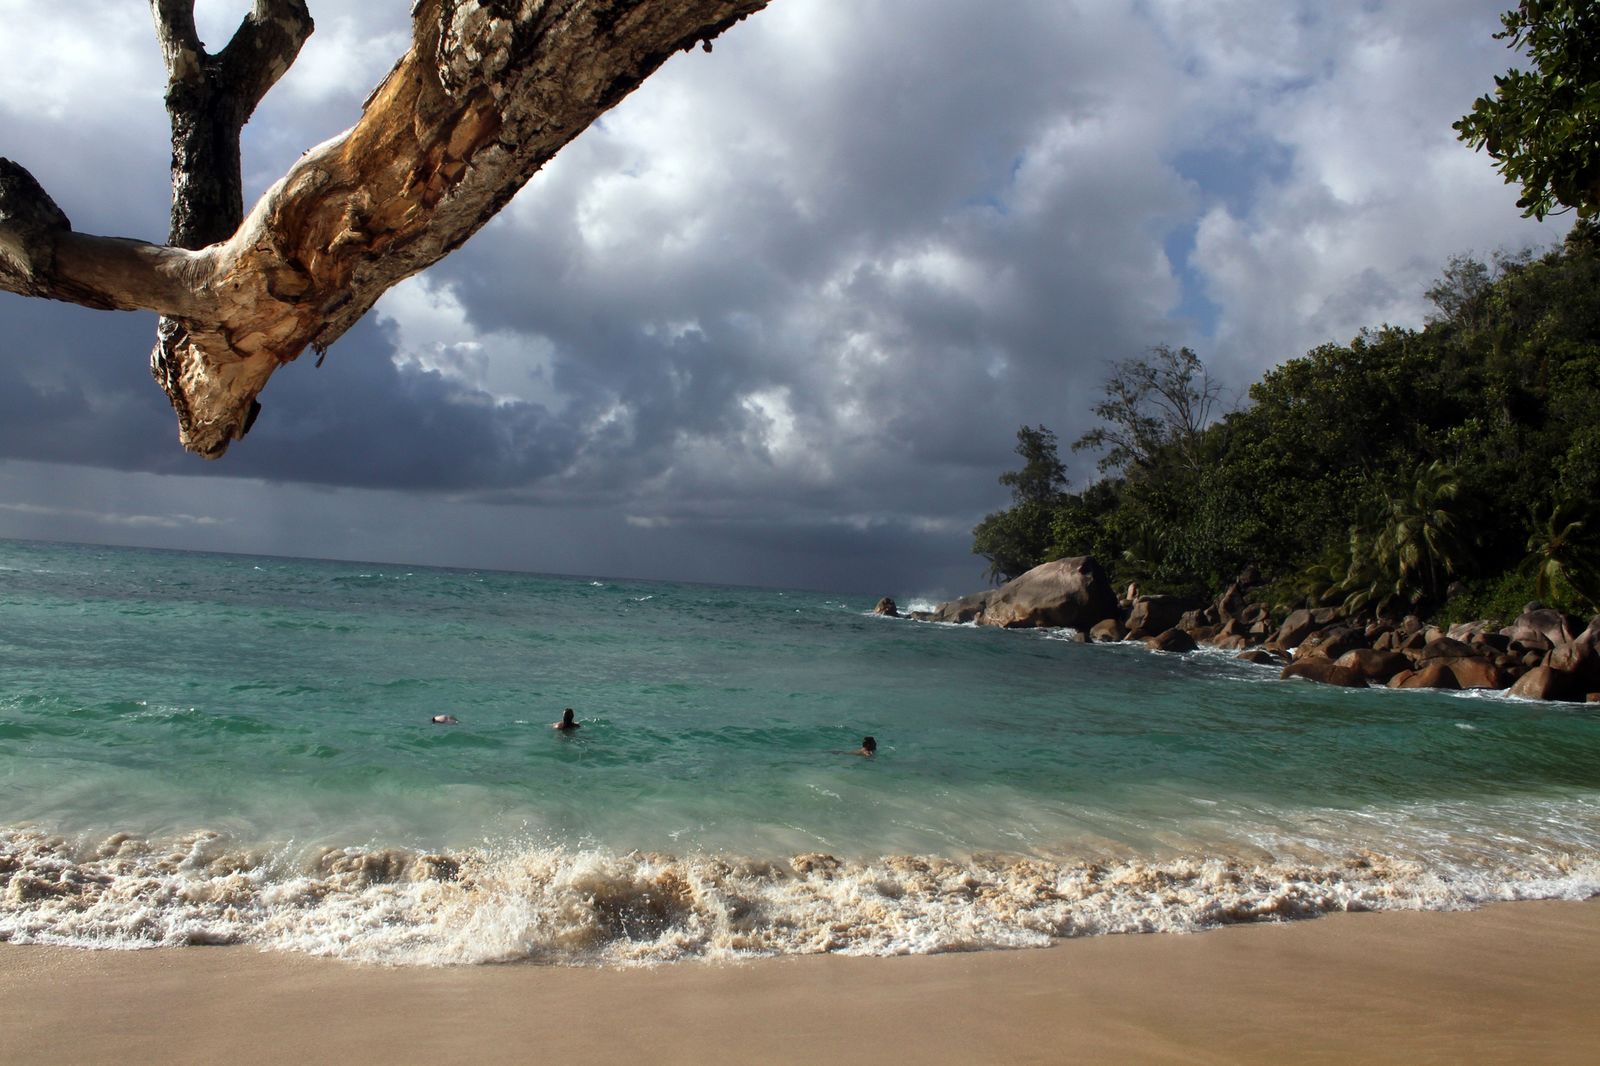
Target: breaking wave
{"type": "Point", "coordinates": [560, 906]}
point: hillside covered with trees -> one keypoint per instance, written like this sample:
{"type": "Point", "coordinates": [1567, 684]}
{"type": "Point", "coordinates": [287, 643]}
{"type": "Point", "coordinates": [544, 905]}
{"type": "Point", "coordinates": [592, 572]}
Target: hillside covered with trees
{"type": "Point", "coordinates": [1450, 471]}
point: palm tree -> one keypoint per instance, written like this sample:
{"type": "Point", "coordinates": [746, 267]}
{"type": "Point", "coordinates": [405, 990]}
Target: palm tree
{"type": "Point", "coordinates": [1564, 555]}
{"type": "Point", "coordinates": [1420, 538]}
{"type": "Point", "coordinates": [1330, 580]}
{"type": "Point", "coordinates": [1317, 584]}
{"type": "Point", "coordinates": [1364, 581]}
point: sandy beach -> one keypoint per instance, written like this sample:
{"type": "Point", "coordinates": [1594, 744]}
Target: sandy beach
{"type": "Point", "coordinates": [1510, 983]}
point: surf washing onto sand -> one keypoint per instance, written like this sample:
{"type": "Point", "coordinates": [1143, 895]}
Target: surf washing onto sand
{"type": "Point", "coordinates": [201, 749]}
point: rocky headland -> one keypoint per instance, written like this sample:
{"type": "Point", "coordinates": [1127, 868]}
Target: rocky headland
{"type": "Point", "coordinates": [1543, 654]}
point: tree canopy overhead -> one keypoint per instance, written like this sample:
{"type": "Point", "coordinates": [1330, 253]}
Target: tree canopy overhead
{"type": "Point", "coordinates": [1542, 126]}
{"type": "Point", "coordinates": [488, 93]}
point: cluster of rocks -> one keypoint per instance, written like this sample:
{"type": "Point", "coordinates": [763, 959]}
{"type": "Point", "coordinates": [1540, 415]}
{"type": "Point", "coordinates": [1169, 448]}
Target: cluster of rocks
{"type": "Point", "coordinates": [1544, 654]}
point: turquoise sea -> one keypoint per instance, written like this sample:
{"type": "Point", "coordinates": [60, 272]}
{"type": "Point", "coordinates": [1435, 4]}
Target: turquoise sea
{"type": "Point", "coordinates": [217, 749]}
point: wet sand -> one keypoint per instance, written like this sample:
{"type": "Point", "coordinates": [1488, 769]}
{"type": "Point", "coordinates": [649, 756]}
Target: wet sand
{"type": "Point", "coordinates": [1510, 983]}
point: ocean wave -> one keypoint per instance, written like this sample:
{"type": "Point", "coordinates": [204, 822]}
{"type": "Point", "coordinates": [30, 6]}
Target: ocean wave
{"type": "Point", "coordinates": [556, 905]}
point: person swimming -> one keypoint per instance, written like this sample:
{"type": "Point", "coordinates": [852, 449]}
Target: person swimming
{"type": "Point", "coordinates": [869, 747]}
{"type": "Point", "coordinates": [566, 722]}
{"type": "Point", "coordinates": [444, 719]}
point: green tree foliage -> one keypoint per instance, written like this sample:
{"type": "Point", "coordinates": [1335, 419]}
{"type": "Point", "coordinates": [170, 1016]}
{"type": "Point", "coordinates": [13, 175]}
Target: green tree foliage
{"type": "Point", "coordinates": [1164, 517]}
{"type": "Point", "coordinates": [1153, 406]}
{"type": "Point", "coordinates": [1422, 537]}
{"type": "Point", "coordinates": [1378, 473]}
{"type": "Point", "coordinates": [1017, 539]}
{"type": "Point", "coordinates": [1542, 126]}
{"type": "Point", "coordinates": [1083, 524]}
{"type": "Point", "coordinates": [1043, 477]}
{"type": "Point", "coordinates": [1564, 553]}
{"type": "Point", "coordinates": [1460, 291]}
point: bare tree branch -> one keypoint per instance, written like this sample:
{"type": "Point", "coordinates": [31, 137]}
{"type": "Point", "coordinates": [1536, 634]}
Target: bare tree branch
{"type": "Point", "coordinates": [488, 93]}
{"type": "Point", "coordinates": [40, 255]}
{"type": "Point", "coordinates": [209, 99]}
{"type": "Point", "coordinates": [262, 50]}
{"type": "Point", "coordinates": [30, 223]}
{"type": "Point", "coordinates": [180, 44]}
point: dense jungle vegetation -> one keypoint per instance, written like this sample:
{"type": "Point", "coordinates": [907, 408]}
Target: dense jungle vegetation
{"type": "Point", "coordinates": [1452, 470]}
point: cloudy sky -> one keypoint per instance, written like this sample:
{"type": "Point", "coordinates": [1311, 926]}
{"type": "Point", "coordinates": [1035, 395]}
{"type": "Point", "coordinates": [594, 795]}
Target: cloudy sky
{"type": "Point", "coordinates": [776, 319]}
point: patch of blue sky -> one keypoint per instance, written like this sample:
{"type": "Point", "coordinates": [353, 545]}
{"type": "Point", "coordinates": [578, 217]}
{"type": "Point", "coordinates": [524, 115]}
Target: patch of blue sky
{"type": "Point", "coordinates": [1194, 307]}
{"type": "Point", "coordinates": [1234, 167]}
{"type": "Point", "coordinates": [994, 198]}
{"type": "Point", "coordinates": [1231, 170]}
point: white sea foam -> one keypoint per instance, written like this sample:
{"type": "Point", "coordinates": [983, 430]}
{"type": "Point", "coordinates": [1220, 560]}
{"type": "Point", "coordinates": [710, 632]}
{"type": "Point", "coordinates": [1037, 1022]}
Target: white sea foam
{"type": "Point", "coordinates": [593, 906]}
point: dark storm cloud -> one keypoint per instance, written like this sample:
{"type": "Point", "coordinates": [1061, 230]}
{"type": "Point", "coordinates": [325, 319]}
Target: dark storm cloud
{"type": "Point", "coordinates": [360, 420]}
{"type": "Point", "coordinates": [778, 316]}
{"type": "Point", "coordinates": [74, 388]}
{"type": "Point", "coordinates": [908, 246]}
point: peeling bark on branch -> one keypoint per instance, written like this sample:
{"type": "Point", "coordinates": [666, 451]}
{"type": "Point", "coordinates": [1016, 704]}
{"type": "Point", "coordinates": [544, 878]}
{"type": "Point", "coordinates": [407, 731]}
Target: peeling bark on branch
{"type": "Point", "coordinates": [41, 255]}
{"type": "Point", "coordinates": [30, 223]}
{"type": "Point", "coordinates": [488, 93]}
{"type": "Point", "coordinates": [209, 99]}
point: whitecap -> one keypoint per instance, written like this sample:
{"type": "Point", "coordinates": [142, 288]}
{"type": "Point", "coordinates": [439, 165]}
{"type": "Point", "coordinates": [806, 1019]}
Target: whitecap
{"type": "Point", "coordinates": [591, 905]}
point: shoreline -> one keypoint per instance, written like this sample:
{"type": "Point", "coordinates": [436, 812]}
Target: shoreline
{"type": "Point", "coordinates": [1544, 654]}
{"type": "Point", "coordinates": [1508, 982]}
{"type": "Point", "coordinates": [392, 906]}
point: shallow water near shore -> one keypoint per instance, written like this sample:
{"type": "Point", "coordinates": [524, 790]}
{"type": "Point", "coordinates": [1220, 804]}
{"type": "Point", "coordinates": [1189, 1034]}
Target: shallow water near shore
{"type": "Point", "coordinates": [201, 748]}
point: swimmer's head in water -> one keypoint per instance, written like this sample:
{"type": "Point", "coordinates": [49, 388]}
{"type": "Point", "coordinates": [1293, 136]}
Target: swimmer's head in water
{"type": "Point", "coordinates": [566, 716]}
{"type": "Point", "coordinates": [444, 719]}
{"type": "Point", "coordinates": [869, 745]}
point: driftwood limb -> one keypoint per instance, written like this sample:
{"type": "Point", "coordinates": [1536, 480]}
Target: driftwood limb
{"type": "Point", "coordinates": [488, 93]}
{"type": "Point", "coordinates": [30, 224]}
{"type": "Point", "coordinates": [209, 99]}
{"type": "Point", "coordinates": [41, 255]}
